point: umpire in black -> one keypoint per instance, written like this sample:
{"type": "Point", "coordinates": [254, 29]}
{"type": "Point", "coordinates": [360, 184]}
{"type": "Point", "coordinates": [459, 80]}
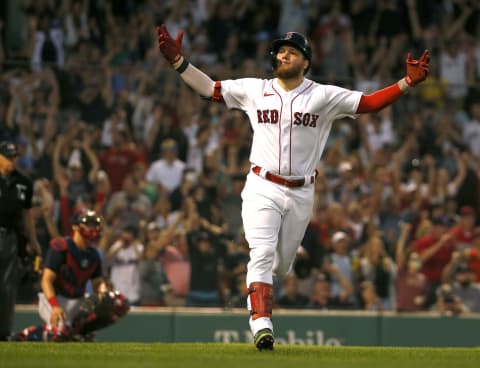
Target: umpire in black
{"type": "Point", "coordinates": [17, 231]}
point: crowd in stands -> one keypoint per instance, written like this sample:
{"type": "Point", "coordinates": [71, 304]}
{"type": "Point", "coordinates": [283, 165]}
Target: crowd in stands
{"type": "Point", "coordinates": [103, 122]}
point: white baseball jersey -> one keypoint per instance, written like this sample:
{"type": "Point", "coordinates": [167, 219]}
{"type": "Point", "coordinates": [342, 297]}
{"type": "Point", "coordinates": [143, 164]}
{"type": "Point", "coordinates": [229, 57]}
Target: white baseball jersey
{"type": "Point", "coordinates": [290, 132]}
{"type": "Point", "coordinates": [290, 127]}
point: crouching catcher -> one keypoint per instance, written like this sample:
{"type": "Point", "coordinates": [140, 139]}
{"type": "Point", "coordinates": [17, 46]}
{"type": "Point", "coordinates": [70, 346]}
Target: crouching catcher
{"type": "Point", "coordinates": [95, 312]}
{"type": "Point", "coordinates": [69, 314]}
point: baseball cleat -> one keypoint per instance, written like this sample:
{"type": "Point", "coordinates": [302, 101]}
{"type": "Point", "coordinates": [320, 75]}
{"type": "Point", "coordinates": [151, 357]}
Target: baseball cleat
{"type": "Point", "coordinates": [264, 340]}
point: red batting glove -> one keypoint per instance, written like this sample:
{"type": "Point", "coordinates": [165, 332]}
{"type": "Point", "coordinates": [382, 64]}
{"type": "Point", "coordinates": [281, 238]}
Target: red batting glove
{"type": "Point", "coordinates": [171, 49]}
{"type": "Point", "coordinates": [417, 70]}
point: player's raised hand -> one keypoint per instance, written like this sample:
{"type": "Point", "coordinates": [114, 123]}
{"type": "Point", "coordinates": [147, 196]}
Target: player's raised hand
{"type": "Point", "coordinates": [170, 48]}
{"type": "Point", "coordinates": [417, 70]}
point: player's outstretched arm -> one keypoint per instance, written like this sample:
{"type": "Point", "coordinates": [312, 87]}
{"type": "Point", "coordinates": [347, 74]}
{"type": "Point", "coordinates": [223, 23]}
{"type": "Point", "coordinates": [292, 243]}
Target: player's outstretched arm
{"type": "Point", "coordinates": [416, 72]}
{"type": "Point", "coordinates": [171, 50]}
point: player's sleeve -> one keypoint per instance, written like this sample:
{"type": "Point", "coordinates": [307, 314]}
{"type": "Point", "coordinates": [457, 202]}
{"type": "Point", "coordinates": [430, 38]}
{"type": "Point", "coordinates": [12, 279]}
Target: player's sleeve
{"type": "Point", "coordinates": [379, 99]}
{"type": "Point", "coordinates": [235, 92]}
{"type": "Point", "coordinates": [342, 102]}
{"type": "Point", "coordinates": [54, 259]}
{"type": "Point", "coordinates": [198, 81]}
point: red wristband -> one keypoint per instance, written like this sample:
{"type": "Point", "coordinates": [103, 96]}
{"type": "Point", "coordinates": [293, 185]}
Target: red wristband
{"type": "Point", "coordinates": [53, 301]}
{"type": "Point", "coordinates": [217, 92]}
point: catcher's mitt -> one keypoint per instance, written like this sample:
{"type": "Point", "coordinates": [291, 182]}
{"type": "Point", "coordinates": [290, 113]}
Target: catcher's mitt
{"type": "Point", "coordinates": [100, 310]}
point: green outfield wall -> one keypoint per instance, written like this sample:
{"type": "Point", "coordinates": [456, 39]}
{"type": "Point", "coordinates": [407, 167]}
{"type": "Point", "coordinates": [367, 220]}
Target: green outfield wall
{"type": "Point", "coordinates": [291, 327]}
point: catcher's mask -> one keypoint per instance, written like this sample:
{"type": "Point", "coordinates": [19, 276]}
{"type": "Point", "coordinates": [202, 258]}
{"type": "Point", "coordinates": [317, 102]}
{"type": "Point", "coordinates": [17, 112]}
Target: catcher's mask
{"type": "Point", "coordinates": [89, 224]}
{"type": "Point", "coordinates": [296, 40]}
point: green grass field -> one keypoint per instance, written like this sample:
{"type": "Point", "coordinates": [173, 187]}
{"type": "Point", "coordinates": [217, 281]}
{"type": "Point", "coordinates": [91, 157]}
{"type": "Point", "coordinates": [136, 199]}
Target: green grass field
{"type": "Point", "coordinates": [140, 355]}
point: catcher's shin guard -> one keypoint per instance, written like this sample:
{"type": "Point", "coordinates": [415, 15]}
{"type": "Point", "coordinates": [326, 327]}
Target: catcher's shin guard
{"type": "Point", "coordinates": [261, 300]}
{"type": "Point", "coordinates": [32, 333]}
{"type": "Point", "coordinates": [43, 333]}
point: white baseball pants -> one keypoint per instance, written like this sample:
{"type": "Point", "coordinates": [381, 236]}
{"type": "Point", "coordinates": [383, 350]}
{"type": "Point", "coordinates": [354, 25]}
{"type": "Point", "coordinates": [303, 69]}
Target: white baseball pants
{"type": "Point", "coordinates": [70, 306]}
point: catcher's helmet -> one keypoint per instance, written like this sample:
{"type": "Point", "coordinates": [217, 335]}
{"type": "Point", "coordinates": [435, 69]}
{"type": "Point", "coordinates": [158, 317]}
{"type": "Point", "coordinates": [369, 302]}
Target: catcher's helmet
{"type": "Point", "coordinates": [8, 149]}
{"type": "Point", "coordinates": [296, 40]}
{"type": "Point", "coordinates": [92, 224]}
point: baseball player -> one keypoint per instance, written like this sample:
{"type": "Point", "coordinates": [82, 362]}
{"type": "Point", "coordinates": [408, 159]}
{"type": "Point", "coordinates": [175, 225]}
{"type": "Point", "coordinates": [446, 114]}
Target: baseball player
{"type": "Point", "coordinates": [291, 117]}
{"type": "Point", "coordinates": [69, 263]}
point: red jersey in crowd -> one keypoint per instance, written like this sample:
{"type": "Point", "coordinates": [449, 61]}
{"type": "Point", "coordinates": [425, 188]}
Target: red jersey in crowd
{"type": "Point", "coordinates": [463, 238]}
{"type": "Point", "coordinates": [118, 163]}
{"type": "Point", "coordinates": [433, 267]}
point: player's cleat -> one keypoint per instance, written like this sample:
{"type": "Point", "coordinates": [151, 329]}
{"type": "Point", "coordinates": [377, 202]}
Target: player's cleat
{"type": "Point", "coordinates": [264, 340]}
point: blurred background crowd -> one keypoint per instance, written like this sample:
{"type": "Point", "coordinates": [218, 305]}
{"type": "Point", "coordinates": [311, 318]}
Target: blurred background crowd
{"type": "Point", "coordinates": [102, 121]}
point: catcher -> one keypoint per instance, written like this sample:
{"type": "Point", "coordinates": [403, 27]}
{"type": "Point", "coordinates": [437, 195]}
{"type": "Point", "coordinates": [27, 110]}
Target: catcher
{"type": "Point", "coordinates": [70, 262]}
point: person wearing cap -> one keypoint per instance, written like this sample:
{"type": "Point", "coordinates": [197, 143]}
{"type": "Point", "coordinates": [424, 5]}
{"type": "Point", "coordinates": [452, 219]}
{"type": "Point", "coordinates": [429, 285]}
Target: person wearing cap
{"type": "Point", "coordinates": [16, 229]}
{"type": "Point", "coordinates": [339, 268]}
{"type": "Point", "coordinates": [446, 303]}
{"type": "Point", "coordinates": [349, 186]}
{"type": "Point", "coordinates": [464, 287]}
{"type": "Point", "coordinates": [461, 278]}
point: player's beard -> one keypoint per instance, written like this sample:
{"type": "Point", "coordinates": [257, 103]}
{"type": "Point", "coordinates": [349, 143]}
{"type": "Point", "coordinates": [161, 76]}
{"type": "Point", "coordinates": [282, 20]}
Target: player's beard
{"type": "Point", "coordinates": [290, 72]}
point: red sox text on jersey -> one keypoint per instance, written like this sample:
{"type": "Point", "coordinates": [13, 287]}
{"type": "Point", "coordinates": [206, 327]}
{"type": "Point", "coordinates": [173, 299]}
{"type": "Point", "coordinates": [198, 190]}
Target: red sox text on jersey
{"type": "Point", "coordinates": [301, 118]}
